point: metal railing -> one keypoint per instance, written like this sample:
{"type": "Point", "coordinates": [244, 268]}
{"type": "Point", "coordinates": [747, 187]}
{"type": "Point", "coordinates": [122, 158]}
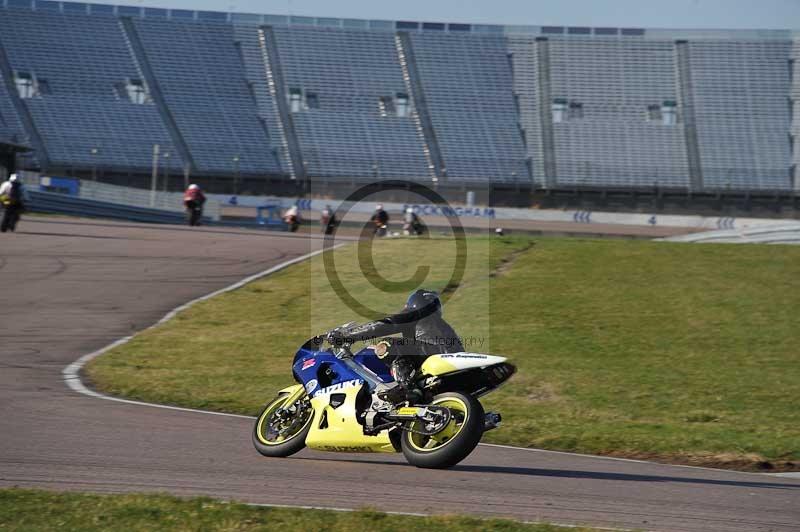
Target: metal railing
{"type": "Point", "coordinates": [50, 202]}
{"type": "Point", "coordinates": [136, 197]}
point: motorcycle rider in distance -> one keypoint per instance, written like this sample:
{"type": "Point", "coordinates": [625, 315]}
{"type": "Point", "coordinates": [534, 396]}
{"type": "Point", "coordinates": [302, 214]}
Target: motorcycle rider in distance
{"type": "Point", "coordinates": [424, 333]}
{"type": "Point", "coordinates": [193, 200]}
{"type": "Point", "coordinates": [12, 196]}
{"type": "Point", "coordinates": [328, 220]}
{"type": "Point", "coordinates": [292, 218]}
{"type": "Point", "coordinates": [412, 225]}
{"type": "Point", "coordinates": [380, 218]}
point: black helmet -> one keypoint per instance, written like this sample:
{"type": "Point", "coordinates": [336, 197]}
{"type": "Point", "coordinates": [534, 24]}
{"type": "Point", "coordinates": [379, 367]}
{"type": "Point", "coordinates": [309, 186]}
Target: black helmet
{"type": "Point", "coordinates": [422, 299]}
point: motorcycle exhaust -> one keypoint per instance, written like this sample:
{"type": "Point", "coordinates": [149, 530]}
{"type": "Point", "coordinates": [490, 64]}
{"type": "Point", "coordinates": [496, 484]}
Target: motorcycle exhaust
{"type": "Point", "coordinates": [491, 421]}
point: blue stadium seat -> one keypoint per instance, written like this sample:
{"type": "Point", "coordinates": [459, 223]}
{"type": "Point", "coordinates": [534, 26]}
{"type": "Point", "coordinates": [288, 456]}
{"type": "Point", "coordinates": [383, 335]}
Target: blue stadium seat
{"type": "Point", "coordinates": [740, 93]}
{"type": "Point", "coordinates": [202, 77]}
{"type": "Point", "coordinates": [82, 118]}
{"type": "Point", "coordinates": [350, 71]}
{"type": "Point", "coordinates": [468, 85]}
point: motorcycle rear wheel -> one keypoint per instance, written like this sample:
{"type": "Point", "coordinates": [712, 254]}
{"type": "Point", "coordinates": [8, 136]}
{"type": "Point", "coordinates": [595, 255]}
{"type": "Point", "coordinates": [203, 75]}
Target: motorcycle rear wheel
{"type": "Point", "coordinates": [454, 442]}
{"type": "Point", "coordinates": [277, 437]}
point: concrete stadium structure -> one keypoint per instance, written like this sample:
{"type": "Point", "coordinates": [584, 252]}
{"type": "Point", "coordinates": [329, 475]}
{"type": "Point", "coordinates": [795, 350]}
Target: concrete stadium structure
{"type": "Point", "coordinates": [251, 101]}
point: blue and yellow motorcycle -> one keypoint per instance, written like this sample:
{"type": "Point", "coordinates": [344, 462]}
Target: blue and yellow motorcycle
{"type": "Point", "coordinates": [340, 403]}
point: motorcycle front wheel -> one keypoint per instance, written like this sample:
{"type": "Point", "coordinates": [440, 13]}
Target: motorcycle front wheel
{"type": "Point", "coordinates": [281, 428]}
{"type": "Point", "coordinates": [452, 443]}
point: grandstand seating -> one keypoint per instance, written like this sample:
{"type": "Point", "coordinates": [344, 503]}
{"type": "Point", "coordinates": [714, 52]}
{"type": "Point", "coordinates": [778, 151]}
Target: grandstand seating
{"type": "Point", "coordinates": [266, 103]}
{"type": "Point", "coordinates": [349, 71]}
{"type": "Point", "coordinates": [81, 116]}
{"type": "Point", "coordinates": [741, 92]}
{"type": "Point", "coordinates": [10, 126]}
{"type": "Point", "coordinates": [612, 139]}
{"type": "Point", "coordinates": [202, 77]}
{"type": "Point", "coordinates": [548, 106]}
{"type": "Point", "coordinates": [467, 81]}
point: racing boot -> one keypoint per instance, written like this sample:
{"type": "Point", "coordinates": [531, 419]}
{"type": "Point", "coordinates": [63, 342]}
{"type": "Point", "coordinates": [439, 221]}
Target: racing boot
{"type": "Point", "coordinates": [404, 387]}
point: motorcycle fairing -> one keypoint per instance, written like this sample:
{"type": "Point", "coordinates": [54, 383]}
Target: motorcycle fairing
{"type": "Point", "coordinates": [471, 373]}
{"type": "Point", "coordinates": [333, 386]}
{"type": "Point", "coordinates": [335, 426]}
{"type": "Point", "coordinates": [319, 369]}
{"type": "Point", "coordinates": [436, 365]}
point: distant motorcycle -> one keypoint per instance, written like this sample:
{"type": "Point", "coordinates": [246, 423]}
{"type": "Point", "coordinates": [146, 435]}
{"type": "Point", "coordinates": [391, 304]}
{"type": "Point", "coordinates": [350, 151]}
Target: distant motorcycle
{"type": "Point", "coordinates": [193, 200]}
{"type": "Point", "coordinates": [380, 221]}
{"type": "Point", "coordinates": [12, 199]}
{"type": "Point", "coordinates": [340, 403]}
{"type": "Point", "coordinates": [381, 230]}
{"type": "Point", "coordinates": [194, 213]}
{"type": "Point", "coordinates": [412, 225]}
{"type": "Point", "coordinates": [292, 219]}
{"type": "Point", "coordinates": [328, 221]}
{"type": "Point", "coordinates": [12, 209]}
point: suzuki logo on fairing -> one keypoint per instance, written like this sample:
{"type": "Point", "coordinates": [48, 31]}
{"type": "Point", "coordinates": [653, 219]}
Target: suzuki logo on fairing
{"type": "Point", "coordinates": [340, 386]}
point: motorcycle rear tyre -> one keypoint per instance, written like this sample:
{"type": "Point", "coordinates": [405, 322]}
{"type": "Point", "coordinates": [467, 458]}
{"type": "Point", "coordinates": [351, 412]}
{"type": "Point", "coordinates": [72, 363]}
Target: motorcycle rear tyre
{"type": "Point", "coordinates": [455, 449]}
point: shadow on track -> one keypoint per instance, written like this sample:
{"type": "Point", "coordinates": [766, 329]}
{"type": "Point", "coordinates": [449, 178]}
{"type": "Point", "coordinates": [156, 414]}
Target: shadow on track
{"type": "Point", "coordinates": [566, 473]}
{"type": "Point", "coordinates": [599, 475]}
{"type": "Point", "coordinates": [208, 229]}
{"type": "Point", "coordinates": [72, 235]}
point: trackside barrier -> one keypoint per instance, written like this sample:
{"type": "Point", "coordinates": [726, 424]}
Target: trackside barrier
{"type": "Point", "coordinates": [776, 233]}
{"type": "Point", "coordinates": [49, 202]}
{"type": "Point", "coordinates": [499, 214]}
{"type": "Point", "coordinates": [136, 197]}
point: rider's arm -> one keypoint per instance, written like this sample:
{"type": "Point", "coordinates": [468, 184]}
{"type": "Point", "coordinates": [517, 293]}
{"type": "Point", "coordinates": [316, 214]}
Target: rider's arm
{"type": "Point", "coordinates": [374, 329]}
{"type": "Point", "coordinates": [389, 325]}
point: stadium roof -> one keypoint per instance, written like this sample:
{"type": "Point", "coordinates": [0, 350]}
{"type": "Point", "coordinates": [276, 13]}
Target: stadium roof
{"type": "Point", "coordinates": [392, 25]}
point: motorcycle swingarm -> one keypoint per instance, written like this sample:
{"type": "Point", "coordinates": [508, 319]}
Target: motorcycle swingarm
{"type": "Point", "coordinates": [414, 413]}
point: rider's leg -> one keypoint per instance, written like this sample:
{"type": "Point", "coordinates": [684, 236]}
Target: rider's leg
{"type": "Point", "coordinates": [15, 218]}
{"type": "Point", "coordinates": [404, 358]}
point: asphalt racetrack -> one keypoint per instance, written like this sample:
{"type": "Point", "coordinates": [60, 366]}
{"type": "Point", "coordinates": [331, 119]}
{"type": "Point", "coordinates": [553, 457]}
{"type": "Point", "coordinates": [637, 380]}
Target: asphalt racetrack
{"type": "Point", "coordinates": [70, 287]}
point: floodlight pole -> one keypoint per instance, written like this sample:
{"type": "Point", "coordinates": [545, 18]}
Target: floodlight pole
{"type": "Point", "coordinates": [154, 176]}
{"type": "Point", "coordinates": [186, 172]}
{"type": "Point", "coordinates": [166, 171]}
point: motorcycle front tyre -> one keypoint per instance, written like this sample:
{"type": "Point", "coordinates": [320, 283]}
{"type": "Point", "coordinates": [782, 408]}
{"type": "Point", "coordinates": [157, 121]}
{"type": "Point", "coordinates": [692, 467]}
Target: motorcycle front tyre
{"type": "Point", "coordinates": [293, 444]}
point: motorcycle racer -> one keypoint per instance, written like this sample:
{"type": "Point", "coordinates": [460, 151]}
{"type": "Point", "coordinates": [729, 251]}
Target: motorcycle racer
{"type": "Point", "coordinates": [424, 333]}
{"type": "Point", "coordinates": [12, 198]}
{"type": "Point", "coordinates": [193, 200]}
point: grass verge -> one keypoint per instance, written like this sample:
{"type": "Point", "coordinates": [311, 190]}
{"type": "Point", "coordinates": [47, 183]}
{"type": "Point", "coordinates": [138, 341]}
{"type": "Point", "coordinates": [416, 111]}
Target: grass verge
{"type": "Point", "coordinates": [24, 510]}
{"type": "Point", "coordinates": [673, 352]}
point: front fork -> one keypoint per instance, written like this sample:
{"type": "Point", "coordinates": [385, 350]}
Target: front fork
{"type": "Point", "coordinates": [296, 392]}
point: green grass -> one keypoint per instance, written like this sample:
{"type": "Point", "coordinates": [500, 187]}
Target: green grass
{"type": "Point", "coordinates": [25, 510]}
{"type": "Point", "coordinates": [682, 353]}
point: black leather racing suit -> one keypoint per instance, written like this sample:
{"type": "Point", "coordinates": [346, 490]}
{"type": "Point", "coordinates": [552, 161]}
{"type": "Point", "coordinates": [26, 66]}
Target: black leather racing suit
{"type": "Point", "coordinates": [424, 333]}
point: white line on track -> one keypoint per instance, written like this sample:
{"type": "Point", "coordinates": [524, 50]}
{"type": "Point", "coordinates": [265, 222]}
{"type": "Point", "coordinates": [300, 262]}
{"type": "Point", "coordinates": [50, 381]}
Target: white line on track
{"type": "Point", "coordinates": [414, 514]}
{"type": "Point", "coordinates": [72, 373]}
{"type": "Point", "coordinates": [633, 460]}
{"type": "Point", "coordinates": [72, 378]}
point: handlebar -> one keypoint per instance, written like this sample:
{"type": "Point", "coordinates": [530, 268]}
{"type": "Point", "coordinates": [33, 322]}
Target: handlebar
{"type": "Point", "coordinates": [340, 344]}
